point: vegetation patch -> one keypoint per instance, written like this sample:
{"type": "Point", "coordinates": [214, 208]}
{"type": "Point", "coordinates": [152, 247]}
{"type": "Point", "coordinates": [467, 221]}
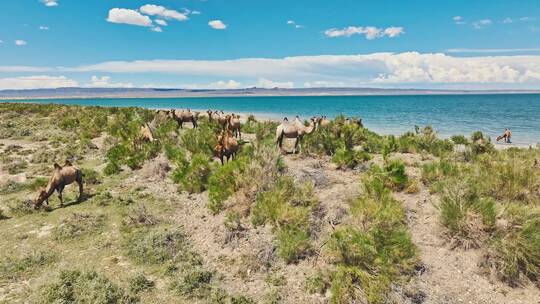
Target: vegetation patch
{"type": "Point", "coordinates": [79, 224]}
{"type": "Point", "coordinates": [13, 267]}
{"type": "Point", "coordinates": [85, 287]}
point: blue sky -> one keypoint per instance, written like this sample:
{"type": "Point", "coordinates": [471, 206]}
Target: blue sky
{"type": "Point", "coordinates": [212, 43]}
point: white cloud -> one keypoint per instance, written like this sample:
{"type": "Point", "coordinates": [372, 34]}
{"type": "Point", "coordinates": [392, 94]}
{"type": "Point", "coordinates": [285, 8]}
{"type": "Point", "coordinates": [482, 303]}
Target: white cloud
{"type": "Point", "coordinates": [50, 3]}
{"type": "Point", "coordinates": [293, 23]}
{"type": "Point", "coordinates": [36, 82]}
{"type": "Point", "coordinates": [507, 20]}
{"type": "Point", "coordinates": [527, 19]}
{"type": "Point", "coordinates": [217, 24]}
{"type": "Point", "coordinates": [156, 29]}
{"type": "Point", "coordinates": [480, 24]}
{"type": "Point", "coordinates": [128, 16]}
{"type": "Point", "coordinates": [458, 20]}
{"type": "Point", "coordinates": [20, 42]}
{"type": "Point", "coordinates": [44, 28]}
{"type": "Point", "coordinates": [378, 69]}
{"type": "Point", "coordinates": [195, 12]}
{"type": "Point", "coordinates": [1, 41]}
{"type": "Point", "coordinates": [161, 22]}
{"type": "Point", "coordinates": [269, 84]}
{"type": "Point", "coordinates": [105, 82]}
{"type": "Point", "coordinates": [158, 10]}
{"type": "Point", "coordinates": [525, 50]}
{"type": "Point", "coordinates": [370, 32]}
{"type": "Point", "coordinates": [218, 85]}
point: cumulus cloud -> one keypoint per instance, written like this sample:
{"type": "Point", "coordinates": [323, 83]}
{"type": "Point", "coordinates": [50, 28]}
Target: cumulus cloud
{"type": "Point", "coordinates": [128, 16]}
{"type": "Point", "coordinates": [380, 69]}
{"type": "Point", "coordinates": [158, 10]}
{"type": "Point", "coordinates": [480, 24]}
{"type": "Point", "coordinates": [105, 82]}
{"type": "Point", "coordinates": [217, 24]}
{"type": "Point", "coordinates": [370, 32]}
{"type": "Point", "coordinates": [36, 82]}
{"type": "Point", "coordinates": [44, 28]}
{"type": "Point", "coordinates": [218, 85]}
{"type": "Point", "coordinates": [156, 29]}
{"type": "Point", "coordinates": [50, 3]}
{"type": "Point", "coordinates": [1, 41]}
{"type": "Point", "coordinates": [20, 42]}
{"type": "Point", "coordinates": [507, 20]}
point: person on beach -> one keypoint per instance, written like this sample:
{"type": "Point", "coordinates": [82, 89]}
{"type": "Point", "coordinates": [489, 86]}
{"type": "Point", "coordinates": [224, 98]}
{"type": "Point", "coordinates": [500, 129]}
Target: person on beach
{"type": "Point", "coordinates": [507, 135]}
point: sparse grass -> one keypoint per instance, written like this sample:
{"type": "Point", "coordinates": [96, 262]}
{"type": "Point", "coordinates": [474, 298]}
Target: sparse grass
{"type": "Point", "coordinates": [79, 224]}
{"type": "Point", "coordinates": [16, 266]}
{"type": "Point", "coordinates": [90, 176]}
{"type": "Point", "coordinates": [194, 282]}
{"type": "Point", "coordinates": [85, 287]}
{"type": "Point", "coordinates": [349, 158]}
{"type": "Point", "coordinates": [155, 246]}
{"type": "Point", "coordinates": [20, 208]}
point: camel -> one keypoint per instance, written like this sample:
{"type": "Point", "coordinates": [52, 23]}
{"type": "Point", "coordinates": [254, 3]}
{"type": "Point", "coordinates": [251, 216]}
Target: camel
{"type": "Point", "coordinates": [146, 133]}
{"type": "Point", "coordinates": [182, 116]}
{"type": "Point", "coordinates": [354, 121]}
{"type": "Point", "coordinates": [222, 119]}
{"type": "Point", "coordinates": [295, 130]}
{"type": "Point", "coordinates": [324, 121]}
{"type": "Point", "coordinates": [62, 177]}
{"type": "Point", "coordinates": [234, 125]}
{"type": "Point", "coordinates": [227, 146]}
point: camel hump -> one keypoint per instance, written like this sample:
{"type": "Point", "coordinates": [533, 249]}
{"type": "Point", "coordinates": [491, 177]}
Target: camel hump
{"type": "Point", "coordinates": [68, 163]}
{"type": "Point", "coordinates": [57, 166]}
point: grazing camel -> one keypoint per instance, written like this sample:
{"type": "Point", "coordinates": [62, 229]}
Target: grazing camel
{"type": "Point", "coordinates": [295, 130]}
{"type": "Point", "coordinates": [227, 146]}
{"type": "Point", "coordinates": [62, 177]}
{"type": "Point", "coordinates": [234, 125]}
{"type": "Point", "coordinates": [222, 119]}
{"type": "Point", "coordinates": [182, 116]}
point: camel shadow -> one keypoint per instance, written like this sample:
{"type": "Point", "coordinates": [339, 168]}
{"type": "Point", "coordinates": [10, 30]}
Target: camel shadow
{"type": "Point", "coordinates": [84, 197]}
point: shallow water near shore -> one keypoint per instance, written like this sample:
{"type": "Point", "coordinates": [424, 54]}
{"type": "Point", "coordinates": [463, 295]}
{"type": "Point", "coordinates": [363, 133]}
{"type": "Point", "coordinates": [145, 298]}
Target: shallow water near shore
{"type": "Point", "coordinates": [448, 114]}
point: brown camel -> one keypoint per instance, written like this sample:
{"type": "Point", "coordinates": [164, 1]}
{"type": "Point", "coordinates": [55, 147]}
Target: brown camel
{"type": "Point", "coordinates": [324, 121]}
{"type": "Point", "coordinates": [182, 116]}
{"type": "Point", "coordinates": [222, 119]}
{"type": "Point", "coordinates": [62, 177]}
{"type": "Point", "coordinates": [146, 133]}
{"type": "Point", "coordinates": [234, 125]}
{"type": "Point", "coordinates": [227, 146]}
{"type": "Point", "coordinates": [354, 121]}
{"type": "Point", "coordinates": [295, 130]}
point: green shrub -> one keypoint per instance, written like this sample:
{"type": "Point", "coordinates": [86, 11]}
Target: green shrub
{"type": "Point", "coordinates": [224, 182]}
{"type": "Point", "coordinates": [459, 140]}
{"type": "Point", "coordinates": [140, 283]}
{"type": "Point", "coordinates": [85, 287]}
{"type": "Point", "coordinates": [200, 141]}
{"type": "Point", "coordinates": [288, 209]}
{"type": "Point", "coordinates": [194, 177]}
{"type": "Point", "coordinates": [346, 158]}
{"type": "Point", "coordinates": [194, 283]}
{"type": "Point", "coordinates": [317, 283]}
{"type": "Point", "coordinates": [156, 246]}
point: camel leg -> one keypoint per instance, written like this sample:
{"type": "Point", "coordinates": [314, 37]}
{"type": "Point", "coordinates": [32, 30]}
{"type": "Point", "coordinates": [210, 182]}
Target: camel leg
{"type": "Point", "coordinates": [80, 182]}
{"type": "Point", "coordinates": [296, 141]}
{"type": "Point", "coordinates": [195, 124]}
{"type": "Point", "coordinates": [239, 133]}
{"type": "Point", "coordinates": [60, 189]}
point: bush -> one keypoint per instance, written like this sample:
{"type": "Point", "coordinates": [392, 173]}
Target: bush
{"type": "Point", "coordinates": [85, 287]}
{"type": "Point", "coordinates": [393, 174]}
{"type": "Point", "coordinates": [346, 158]}
{"type": "Point", "coordinates": [459, 140]}
{"type": "Point", "coordinates": [200, 141]}
{"type": "Point", "coordinates": [195, 282]}
{"type": "Point", "coordinates": [194, 177]}
{"type": "Point", "coordinates": [224, 182]}
{"type": "Point", "coordinates": [288, 209]}
{"type": "Point", "coordinates": [140, 283]}
{"type": "Point", "coordinates": [156, 246]}
{"type": "Point", "coordinates": [515, 254]}
{"type": "Point", "coordinates": [79, 224]}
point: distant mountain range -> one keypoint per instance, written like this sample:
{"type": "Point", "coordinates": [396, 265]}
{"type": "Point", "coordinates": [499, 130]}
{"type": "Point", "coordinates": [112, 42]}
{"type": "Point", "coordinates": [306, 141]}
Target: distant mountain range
{"type": "Point", "coordinates": [170, 93]}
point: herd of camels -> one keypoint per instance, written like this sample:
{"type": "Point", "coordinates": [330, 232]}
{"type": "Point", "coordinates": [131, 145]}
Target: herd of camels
{"type": "Point", "coordinates": [226, 148]}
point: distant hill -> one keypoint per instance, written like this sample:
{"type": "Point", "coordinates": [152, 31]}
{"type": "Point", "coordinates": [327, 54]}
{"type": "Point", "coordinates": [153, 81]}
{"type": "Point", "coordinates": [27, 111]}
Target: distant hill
{"type": "Point", "coordinates": [164, 93]}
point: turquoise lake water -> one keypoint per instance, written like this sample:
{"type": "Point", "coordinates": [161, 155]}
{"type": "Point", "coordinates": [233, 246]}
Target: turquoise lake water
{"type": "Point", "coordinates": [448, 114]}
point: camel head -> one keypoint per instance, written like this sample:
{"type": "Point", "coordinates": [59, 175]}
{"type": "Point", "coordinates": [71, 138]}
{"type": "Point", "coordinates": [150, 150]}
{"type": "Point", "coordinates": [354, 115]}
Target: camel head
{"type": "Point", "coordinates": [40, 198]}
